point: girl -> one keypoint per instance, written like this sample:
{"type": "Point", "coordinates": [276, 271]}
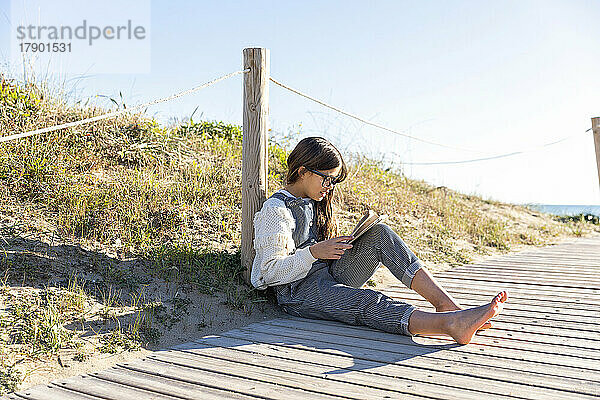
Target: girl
{"type": "Point", "coordinates": [317, 275]}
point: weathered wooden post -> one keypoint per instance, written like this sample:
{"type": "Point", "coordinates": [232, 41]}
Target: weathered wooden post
{"type": "Point", "coordinates": [254, 146]}
{"type": "Point", "coordinates": [596, 130]}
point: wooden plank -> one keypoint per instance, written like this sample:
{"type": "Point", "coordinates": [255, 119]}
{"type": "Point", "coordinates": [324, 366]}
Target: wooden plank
{"type": "Point", "coordinates": [512, 269]}
{"type": "Point", "coordinates": [550, 266]}
{"type": "Point", "coordinates": [585, 335]}
{"type": "Point", "coordinates": [533, 275]}
{"type": "Point", "coordinates": [174, 387]}
{"type": "Point", "coordinates": [500, 343]}
{"type": "Point", "coordinates": [547, 283]}
{"type": "Point", "coordinates": [571, 274]}
{"type": "Point", "coordinates": [451, 362]}
{"type": "Point", "coordinates": [578, 250]}
{"type": "Point", "coordinates": [583, 247]}
{"type": "Point", "coordinates": [520, 310]}
{"type": "Point", "coordinates": [549, 259]}
{"type": "Point", "coordinates": [475, 295]}
{"type": "Point", "coordinates": [510, 328]}
{"type": "Point", "coordinates": [569, 256]}
{"type": "Point", "coordinates": [585, 252]}
{"type": "Point", "coordinates": [490, 290]}
{"type": "Point", "coordinates": [434, 372]}
{"type": "Point", "coordinates": [107, 390]}
{"type": "Point", "coordinates": [49, 392]}
{"type": "Point", "coordinates": [571, 240]}
{"type": "Point", "coordinates": [402, 377]}
{"type": "Point", "coordinates": [547, 304]}
{"type": "Point", "coordinates": [532, 306]}
{"type": "Point", "coordinates": [253, 381]}
{"type": "Point", "coordinates": [540, 336]}
{"type": "Point", "coordinates": [528, 284]}
{"type": "Point", "coordinates": [416, 346]}
{"type": "Point", "coordinates": [260, 389]}
{"type": "Point", "coordinates": [517, 320]}
{"type": "Point", "coordinates": [537, 278]}
{"type": "Point", "coordinates": [572, 284]}
{"type": "Point", "coordinates": [544, 280]}
{"type": "Point", "coordinates": [519, 289]}
{"type": "Point", "coordinates": [544, 259]}
{"type": "Point", "coordinates": [524, 322]}
{"type": "Point", "coordinates": [577, 244]}
{"type": "Point", "coordinates": [564, 266]}
{"type": "Point", "coordinates": [297, 373]}
{"type": "Point", "coordinates": [583, 242]}
{"type": "Point", "coordinates": [545, 344]}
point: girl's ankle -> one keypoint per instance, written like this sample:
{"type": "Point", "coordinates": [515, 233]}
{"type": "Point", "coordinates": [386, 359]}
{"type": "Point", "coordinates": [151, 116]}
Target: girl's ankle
{"type": "Point", "coordinates": [447, 305]}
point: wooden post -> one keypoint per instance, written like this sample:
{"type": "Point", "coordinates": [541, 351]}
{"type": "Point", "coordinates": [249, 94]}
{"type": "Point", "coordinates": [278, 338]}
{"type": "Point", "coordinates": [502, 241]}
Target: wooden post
{"type": "Point", "coordinates": [254, 147]}
{"type": "Point", "coordinates": [596, 130]}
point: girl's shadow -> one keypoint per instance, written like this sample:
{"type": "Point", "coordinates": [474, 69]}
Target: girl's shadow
{"type": "Point", "coordinates": [317, 341]}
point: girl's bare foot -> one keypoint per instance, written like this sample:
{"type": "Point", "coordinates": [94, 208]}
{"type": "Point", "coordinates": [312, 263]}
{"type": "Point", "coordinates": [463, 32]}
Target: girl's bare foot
{"type": "Point", "coordinates": [464, 323]}
{"type": "Point", "coordinates": [456, 307]}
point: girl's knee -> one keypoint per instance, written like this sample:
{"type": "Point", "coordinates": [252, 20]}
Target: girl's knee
{"type": "Point", "coordinates": [381, 229]}
{"type": "Point", "coordinates": [387, 235]}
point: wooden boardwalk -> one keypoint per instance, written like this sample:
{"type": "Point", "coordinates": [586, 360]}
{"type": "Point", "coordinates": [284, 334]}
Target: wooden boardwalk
{"type": "Point", "coordinates": [545, 345]}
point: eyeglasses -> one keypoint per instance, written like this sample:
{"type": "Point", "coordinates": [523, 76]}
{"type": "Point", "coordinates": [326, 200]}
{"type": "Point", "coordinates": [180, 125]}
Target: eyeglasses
{"type": "Point", "coordinates": [328, 180]}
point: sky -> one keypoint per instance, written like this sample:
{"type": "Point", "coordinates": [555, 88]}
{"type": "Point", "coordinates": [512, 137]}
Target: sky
{"type": "Point", "coordinates": [485, 76]}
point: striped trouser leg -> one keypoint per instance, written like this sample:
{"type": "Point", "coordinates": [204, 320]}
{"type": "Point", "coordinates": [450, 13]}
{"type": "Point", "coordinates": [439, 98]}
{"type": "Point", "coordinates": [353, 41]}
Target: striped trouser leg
{"type": "Point", "coordinates": [322, 297]}
{"type": "Point", "coordinates": [380, 244]}
{"type": "Point", "coordinates": [334, 293]}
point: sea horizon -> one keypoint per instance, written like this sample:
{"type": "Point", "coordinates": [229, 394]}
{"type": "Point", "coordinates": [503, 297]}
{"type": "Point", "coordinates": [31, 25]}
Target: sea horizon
{"type": "Point", "coordinates": [564, 209]}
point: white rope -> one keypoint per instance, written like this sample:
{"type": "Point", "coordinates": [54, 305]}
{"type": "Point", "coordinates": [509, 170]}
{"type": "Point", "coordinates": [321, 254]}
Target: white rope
{"type": "Point", "coordinates": [368, 122]}
{"type": "Point", "coordinates": [419, 139]}
{"type": "Point", "coordinates": [115, 113]}
{"type": "Point", "coordinates": [491, 157]}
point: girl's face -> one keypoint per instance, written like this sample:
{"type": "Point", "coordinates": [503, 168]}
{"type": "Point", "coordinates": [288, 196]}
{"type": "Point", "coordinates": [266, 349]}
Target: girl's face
{"type": "Point", "coordinates": [313, 183]}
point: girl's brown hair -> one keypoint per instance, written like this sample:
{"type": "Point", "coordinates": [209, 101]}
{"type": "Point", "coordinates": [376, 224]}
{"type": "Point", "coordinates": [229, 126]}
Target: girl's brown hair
{"type": "Point", "coordinates": [319, 154]}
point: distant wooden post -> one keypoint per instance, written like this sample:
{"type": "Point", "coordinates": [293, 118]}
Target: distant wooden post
{"type": "Point", "coordinates": [596, 130]}
{"type": "Point", "coordinates": [254, 146]}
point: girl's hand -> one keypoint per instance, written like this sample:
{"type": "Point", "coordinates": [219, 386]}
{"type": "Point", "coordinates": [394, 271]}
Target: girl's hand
{"type": "Point", "coordinates": [331, 249]}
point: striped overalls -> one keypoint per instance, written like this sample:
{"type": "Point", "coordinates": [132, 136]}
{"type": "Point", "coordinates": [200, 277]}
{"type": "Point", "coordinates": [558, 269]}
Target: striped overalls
{"type": "Point", "coordinates": [331, 290]}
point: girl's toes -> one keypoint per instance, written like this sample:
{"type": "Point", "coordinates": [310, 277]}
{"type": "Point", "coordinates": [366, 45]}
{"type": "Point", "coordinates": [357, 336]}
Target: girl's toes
{"type": "Point", "coordinates": [501, 297]}
{"type": "Point", "coordinates": [487, 325]}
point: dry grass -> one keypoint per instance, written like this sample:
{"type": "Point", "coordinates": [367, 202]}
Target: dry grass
{"type": "Point", "coordinates": [132, 203]}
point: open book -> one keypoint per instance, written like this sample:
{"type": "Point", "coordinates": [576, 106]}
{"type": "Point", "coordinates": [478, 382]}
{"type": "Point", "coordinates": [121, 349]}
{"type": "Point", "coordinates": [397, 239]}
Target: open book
{"type": "Point", "coordinates": [366, 222]}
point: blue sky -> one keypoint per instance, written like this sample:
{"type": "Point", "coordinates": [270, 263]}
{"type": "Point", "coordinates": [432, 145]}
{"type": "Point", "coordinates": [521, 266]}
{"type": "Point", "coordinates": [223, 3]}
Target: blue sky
{"type": "Point", "coordinates": [493, 76]}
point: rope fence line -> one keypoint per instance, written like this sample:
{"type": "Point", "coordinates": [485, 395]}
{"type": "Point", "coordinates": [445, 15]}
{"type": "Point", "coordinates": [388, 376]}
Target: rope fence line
{"type": "Point", "coordinates": [116, 113]}
{"type": "Point", "coordinates": [366, 121]}
{"type": "Point", "coordinates": [535, 148]}
{"type": "Point", "coordinates": [419, 139]}
{"type": "Point", "coordinates": [295, 91]}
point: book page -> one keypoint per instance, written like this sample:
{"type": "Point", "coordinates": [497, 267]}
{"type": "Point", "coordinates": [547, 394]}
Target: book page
{"type": "Point", "coordinates": [368, 216]}
{"type": "Point", "coordinates": [366, 222]}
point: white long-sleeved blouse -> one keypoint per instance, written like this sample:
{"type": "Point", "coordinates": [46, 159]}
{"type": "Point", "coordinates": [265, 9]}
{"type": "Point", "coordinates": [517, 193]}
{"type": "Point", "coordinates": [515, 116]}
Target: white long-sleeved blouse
{"type": "Point", "coordinates": [277, 261]}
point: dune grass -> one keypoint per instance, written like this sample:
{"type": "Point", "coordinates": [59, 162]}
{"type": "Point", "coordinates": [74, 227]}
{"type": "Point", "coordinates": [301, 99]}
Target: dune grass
{"type": "Point", "coordinates": [169, 197]}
